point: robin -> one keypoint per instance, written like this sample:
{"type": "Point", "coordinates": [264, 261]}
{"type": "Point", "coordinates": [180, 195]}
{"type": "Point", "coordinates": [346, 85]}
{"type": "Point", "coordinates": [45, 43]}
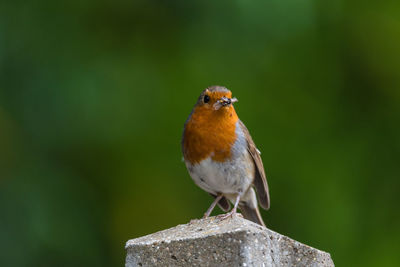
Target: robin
{"type": "Point", "coordinates": [222, 158]}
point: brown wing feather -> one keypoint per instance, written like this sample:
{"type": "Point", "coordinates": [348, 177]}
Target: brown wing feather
{"type": "Point", "coordinates": [260, 180]}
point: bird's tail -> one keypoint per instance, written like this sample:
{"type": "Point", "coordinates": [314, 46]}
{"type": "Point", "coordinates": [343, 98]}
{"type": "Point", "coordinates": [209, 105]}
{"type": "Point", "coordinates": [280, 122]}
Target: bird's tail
{"type": "Point", "coordinates": [251, 214]}
{"type": "Point", "coordinates": [249, 209]}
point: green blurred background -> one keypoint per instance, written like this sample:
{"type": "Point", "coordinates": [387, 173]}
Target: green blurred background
{"type": "Point", "coordinates": [94, 94]}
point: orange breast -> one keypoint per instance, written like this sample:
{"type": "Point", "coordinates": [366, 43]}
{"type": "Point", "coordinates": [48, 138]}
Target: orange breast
{"type": "Point", "coordinates": [209, 133]}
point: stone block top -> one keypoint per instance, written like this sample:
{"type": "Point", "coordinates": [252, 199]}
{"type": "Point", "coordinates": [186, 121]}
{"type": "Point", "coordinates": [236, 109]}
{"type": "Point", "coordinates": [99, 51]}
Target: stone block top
{"type": "Point", "coordinates": [214, 242]}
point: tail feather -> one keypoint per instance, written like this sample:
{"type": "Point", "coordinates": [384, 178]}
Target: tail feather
{"type": "Point", "coordinates": [252, 214]}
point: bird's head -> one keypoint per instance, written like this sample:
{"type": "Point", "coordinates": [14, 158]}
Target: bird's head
{"type": "Point", "coordinates": [216, 99]}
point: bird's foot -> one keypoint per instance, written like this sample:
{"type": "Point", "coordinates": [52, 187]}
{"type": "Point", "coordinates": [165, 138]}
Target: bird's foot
{"type": "Point", "coordinates": [225, 216]}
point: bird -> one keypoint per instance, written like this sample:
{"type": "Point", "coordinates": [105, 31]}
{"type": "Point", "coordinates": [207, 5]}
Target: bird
{"type": "Point", "coordinates": [221, 156]}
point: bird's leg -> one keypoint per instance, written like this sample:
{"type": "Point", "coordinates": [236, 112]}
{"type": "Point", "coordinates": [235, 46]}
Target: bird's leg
{"type": "Point", "coordinates": [233, 211]}
{"type": "Point", "coordinates": [210, 209]}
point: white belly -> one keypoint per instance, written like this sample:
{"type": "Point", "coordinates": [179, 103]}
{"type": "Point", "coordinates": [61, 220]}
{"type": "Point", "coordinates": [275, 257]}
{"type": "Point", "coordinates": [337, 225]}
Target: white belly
{"type": "Point", "coordinates": [231, 177]}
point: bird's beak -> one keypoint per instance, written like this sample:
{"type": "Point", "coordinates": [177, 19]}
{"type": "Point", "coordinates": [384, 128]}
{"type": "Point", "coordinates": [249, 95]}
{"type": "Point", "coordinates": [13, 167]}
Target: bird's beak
{"type": "Point", "coordinates": [224, 101]}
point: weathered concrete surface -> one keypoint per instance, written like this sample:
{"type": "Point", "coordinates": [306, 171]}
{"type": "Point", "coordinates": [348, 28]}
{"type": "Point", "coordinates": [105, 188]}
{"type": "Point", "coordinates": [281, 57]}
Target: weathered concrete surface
{"type": "Point", "coordinates": [215, 242]}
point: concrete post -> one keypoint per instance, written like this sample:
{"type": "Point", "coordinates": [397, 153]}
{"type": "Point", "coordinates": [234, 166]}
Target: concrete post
{"type": "Point", "coordinates": [214, 242]}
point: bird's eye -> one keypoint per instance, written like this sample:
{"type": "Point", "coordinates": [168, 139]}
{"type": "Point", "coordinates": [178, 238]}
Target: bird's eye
{"type": "Point", "coordinates": [206, 99]}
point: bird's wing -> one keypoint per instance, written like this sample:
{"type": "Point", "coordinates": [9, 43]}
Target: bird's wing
{"type": "Point", "coordinates": [260, 180]}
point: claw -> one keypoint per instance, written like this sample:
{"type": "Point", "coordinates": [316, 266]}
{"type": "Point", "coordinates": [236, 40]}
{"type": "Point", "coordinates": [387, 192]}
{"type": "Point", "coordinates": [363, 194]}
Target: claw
{"type": "Point", "coordinates": [233, 212]}
{"type": "Point", "coordinates": [225, 216]}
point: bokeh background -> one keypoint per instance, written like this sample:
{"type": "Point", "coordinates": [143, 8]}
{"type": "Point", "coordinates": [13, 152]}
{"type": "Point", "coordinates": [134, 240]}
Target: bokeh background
{"type": "Point", "coordinates": [94, 94]}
